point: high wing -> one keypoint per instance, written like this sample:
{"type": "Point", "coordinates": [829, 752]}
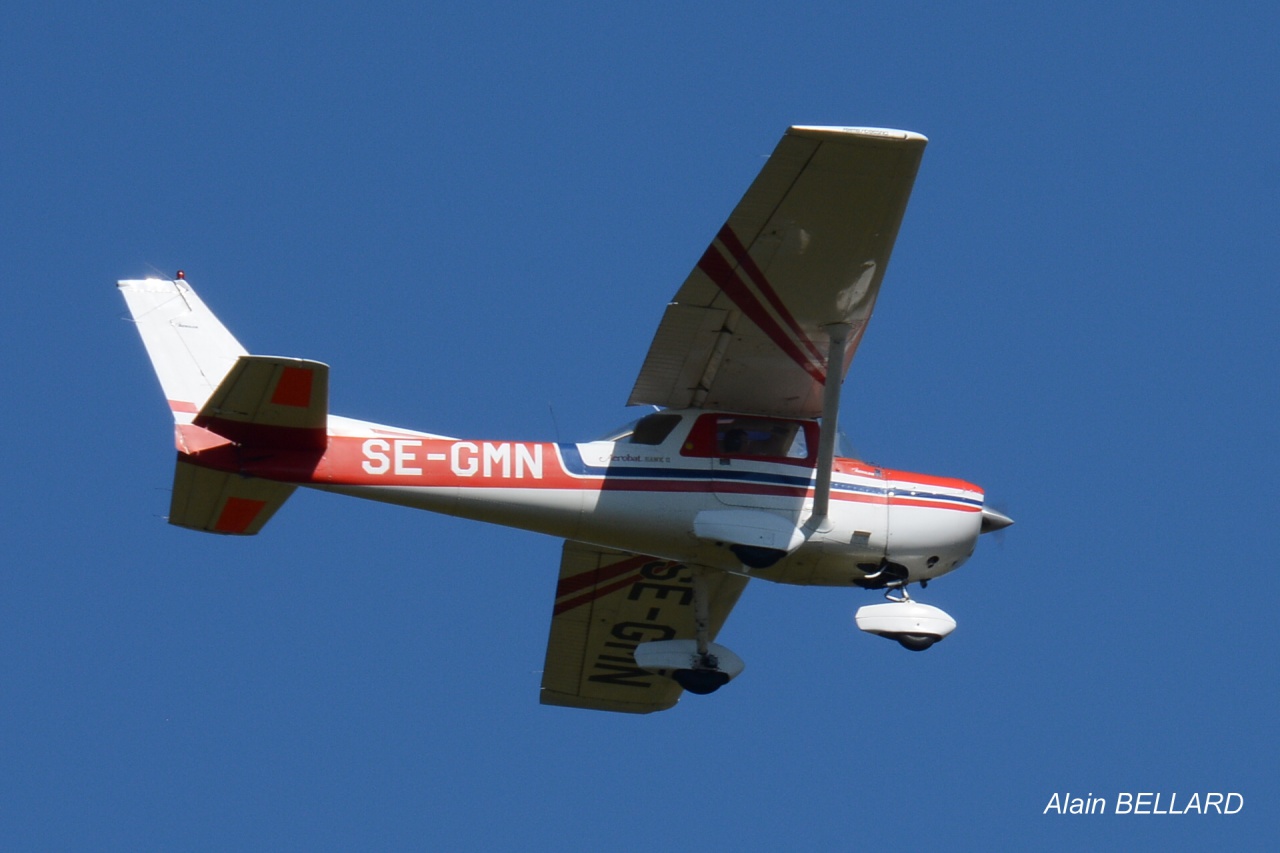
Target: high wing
{"type": "Point", "coordinates": [608, 602]}
{"type": "Point", "coordinates": [805, 248]}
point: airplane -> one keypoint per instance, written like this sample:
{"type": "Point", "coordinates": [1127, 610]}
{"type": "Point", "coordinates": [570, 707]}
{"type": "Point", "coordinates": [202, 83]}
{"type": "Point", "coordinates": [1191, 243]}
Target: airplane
{"type": "Point", "coordinates": [733, 476]}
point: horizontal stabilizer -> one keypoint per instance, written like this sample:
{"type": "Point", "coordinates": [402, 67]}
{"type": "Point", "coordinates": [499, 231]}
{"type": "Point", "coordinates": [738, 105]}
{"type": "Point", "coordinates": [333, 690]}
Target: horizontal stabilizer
{"type": "Point", "coordinates": [222, 502]}
{"type": "Point", "coordinates": [270, 401]}
{"type": "Point", "coordinates": [265, 403]}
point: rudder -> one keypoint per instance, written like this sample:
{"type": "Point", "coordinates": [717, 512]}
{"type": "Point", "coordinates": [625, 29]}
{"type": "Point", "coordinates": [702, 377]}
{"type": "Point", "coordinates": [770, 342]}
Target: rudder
{"type": "Point", "coordinates": [190, 350]}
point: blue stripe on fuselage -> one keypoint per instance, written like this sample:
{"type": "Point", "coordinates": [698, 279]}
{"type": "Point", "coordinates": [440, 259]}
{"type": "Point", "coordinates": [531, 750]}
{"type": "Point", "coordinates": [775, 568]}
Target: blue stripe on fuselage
{"type": "Point", "coordinates": [574, 464]}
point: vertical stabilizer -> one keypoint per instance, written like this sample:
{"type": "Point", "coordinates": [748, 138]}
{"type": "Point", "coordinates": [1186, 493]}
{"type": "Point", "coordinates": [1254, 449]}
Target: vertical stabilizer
{"type": "Point", "coordinates": [189, 347]}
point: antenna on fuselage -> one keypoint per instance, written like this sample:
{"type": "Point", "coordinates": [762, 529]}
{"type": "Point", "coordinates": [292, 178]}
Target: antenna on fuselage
{"type": "Point", "coordinates": [555, 424]}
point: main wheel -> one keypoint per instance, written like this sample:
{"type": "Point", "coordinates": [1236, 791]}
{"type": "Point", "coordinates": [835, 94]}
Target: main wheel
{"type": "Point", "coordinates": [700, 681]}
{"type": "Point", "coordinates": [916, 642]}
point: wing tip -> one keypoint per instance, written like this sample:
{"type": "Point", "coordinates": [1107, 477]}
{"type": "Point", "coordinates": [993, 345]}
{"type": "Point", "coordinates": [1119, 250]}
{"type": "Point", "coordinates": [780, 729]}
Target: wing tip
{"type": "Point", "coordinates": [566, 700]}
{"type": "Point", "coordinates": [885, 133]}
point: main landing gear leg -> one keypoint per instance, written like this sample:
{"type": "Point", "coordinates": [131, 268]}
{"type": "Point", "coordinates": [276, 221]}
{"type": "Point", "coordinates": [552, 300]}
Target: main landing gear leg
{"type": "Point", "coordinates": [696, 664]}
{"type": "Point", "coordinates": [705, 676]}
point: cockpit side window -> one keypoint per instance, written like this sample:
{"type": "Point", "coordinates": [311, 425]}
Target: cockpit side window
{"type": "Point", "coordinates": [654, 429]}
{"type": "Point", "coordinates": [757, 437]}
{"type": "Point", "coordinates": [748, 437]}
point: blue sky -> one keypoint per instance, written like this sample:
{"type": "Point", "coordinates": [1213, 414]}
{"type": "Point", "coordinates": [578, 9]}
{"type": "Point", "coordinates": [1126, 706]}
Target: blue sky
{"type": "Point", "coordinates": [475, 214]}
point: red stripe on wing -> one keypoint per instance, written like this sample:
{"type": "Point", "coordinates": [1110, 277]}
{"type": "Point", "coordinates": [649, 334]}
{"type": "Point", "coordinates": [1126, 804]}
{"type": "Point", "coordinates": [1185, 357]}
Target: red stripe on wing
{"type": "Point", "coordinates": [586, 587]}
{"type": "Point", "coordinates": [571, 585]}
{"type": "Point", "coordinates": [593, 594]}
{"type": "Point", "coordinates": [748, 263]}
{"type": "Point", "coordinates": [726, 278]}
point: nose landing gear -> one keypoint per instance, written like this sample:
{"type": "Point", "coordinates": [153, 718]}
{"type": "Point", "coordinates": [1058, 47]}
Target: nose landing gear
{"type": "Point", "coordinates": [913, 625]}
{"type": "Point", "coordinates": [883, 575]}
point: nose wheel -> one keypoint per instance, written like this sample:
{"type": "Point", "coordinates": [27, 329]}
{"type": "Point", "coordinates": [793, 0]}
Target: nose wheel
{"type": "Point", "coordinates": [907, 622]}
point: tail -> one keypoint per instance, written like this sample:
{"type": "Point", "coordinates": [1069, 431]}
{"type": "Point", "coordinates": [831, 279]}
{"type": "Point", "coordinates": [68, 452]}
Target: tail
{"type": "Point", "coordinates": [190, 349]}
{"type": "Point", "coordinates": [225, 402]}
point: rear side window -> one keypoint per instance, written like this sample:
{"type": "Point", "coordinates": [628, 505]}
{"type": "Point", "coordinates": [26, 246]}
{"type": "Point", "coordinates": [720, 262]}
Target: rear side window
{"type": "Point", "coordinates": [654, 429]}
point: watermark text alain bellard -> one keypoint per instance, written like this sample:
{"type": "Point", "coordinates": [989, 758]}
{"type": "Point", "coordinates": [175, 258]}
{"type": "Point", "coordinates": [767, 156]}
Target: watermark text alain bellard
{"type": "Point", "coordinates": [1153, 803]}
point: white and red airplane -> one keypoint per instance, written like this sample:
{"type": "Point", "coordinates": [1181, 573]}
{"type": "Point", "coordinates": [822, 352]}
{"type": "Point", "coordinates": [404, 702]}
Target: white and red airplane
{"type": "Point", "coordinates": [734, 475]}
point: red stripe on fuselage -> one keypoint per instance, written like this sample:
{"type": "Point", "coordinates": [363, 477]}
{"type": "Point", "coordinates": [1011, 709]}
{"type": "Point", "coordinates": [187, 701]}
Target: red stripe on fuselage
{"type": "Point", "coordinates": [426, 463]}
{"type": "Point", "coordinates": [897, 479]}
{"type": "Point", "coordinates": [925, 503]}
{"type": "Point", "coordinates": [267, 437]}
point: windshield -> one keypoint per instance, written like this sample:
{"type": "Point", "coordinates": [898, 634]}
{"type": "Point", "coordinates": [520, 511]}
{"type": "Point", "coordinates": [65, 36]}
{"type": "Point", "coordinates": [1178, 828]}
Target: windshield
{"type": "Point", "coordinates": [619, 433]}
{"type": "Point", "coordinates": [844, 447]}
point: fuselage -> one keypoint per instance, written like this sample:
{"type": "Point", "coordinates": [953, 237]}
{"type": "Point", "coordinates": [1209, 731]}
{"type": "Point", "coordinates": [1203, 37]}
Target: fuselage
{"type": "Point", "coordinates": [681, 485]}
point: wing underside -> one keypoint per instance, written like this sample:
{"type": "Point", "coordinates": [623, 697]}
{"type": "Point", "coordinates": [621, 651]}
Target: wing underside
{"type": "Point", "coordinates": [805, 248]}
{"type": "Point", "coordinates": [608, 602]}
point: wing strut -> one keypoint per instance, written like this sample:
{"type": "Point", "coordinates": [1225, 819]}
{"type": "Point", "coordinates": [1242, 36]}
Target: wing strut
{"type": "Point", "coordinates": [839, 333]}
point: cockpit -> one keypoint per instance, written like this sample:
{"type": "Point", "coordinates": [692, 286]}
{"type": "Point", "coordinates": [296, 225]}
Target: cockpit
{"type": "Point", "coordinates": [730, 436]}
{"type": "Point", "coordinates": [650, 430]}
